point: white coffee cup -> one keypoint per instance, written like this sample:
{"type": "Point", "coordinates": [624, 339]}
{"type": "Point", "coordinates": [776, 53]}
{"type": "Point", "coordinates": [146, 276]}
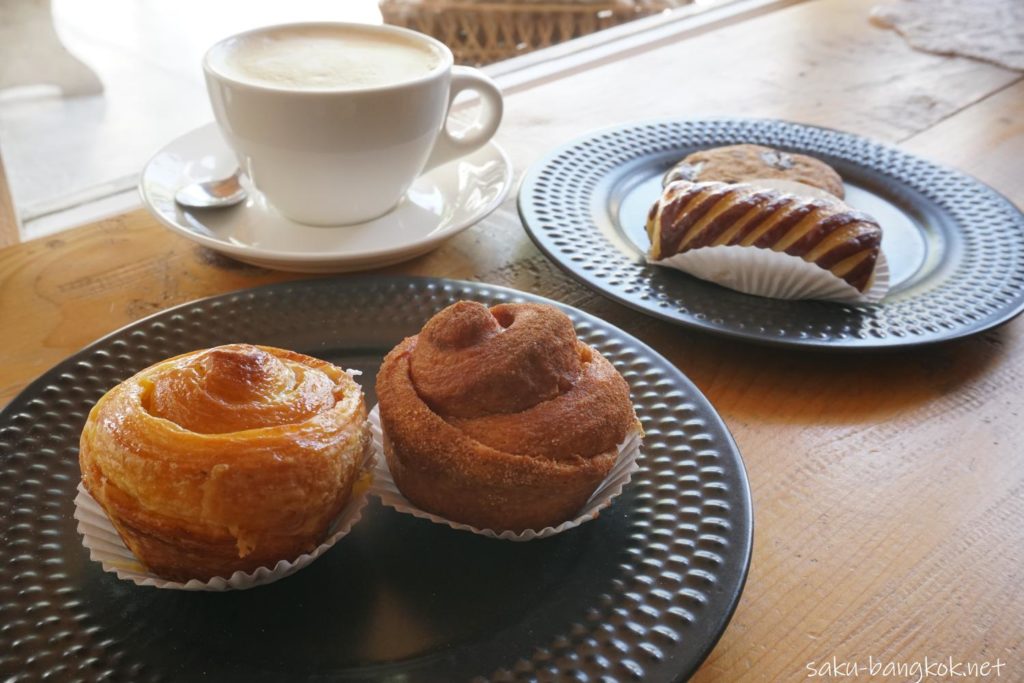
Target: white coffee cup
{"type": "Point", "coordinates": [334, 132]}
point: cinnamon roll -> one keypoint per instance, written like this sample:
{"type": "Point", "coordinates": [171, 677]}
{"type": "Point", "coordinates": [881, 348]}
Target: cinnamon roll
{"type": "Point", "coordinates": [500, 417]}
{"type": "Point", "coordinates": [225, 459]}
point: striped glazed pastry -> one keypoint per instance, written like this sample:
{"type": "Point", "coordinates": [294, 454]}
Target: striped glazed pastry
{"type": "Point", "coordinates": [829, 234]}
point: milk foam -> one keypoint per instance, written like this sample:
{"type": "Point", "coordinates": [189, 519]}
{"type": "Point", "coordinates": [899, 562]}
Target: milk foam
{"type": "Point", "coordinates": [323, 58]}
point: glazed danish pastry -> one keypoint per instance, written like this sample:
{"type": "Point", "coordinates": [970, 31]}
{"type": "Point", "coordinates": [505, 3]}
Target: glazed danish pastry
{"type": "Point", "coordinates": [501, 418]}
{"type": "Point", "coordinates": [225, 459]}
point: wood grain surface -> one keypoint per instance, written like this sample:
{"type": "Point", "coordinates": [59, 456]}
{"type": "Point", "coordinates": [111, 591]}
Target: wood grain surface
{"type": "Point", "coordinates": [888, 488]}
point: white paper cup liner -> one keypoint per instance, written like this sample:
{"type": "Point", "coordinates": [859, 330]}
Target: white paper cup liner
{"type": "Point", "coordinates": [106, 547]}
{"type": "Point", "coordinates": [384, 488]}
{"type": "Point", "coordinates": [773, 274]}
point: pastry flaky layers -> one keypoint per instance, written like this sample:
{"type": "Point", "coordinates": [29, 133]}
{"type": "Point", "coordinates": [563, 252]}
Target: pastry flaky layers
{"type": "Point", "coordinates": [701, 227]}
{"type": "Point", "coordinates": [500, 418]}
{"type": "Point", "coordinates": [226, 459]}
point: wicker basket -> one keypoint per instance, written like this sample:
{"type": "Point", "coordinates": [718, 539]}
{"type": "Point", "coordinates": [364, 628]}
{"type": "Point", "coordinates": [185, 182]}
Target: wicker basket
{"type": "Point", "coordinates": [485, 32]}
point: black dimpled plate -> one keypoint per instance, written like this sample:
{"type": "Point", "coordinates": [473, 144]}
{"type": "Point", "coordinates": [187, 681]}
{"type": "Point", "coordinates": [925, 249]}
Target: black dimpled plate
{"type": "Point", "coordinates": [955, 246]}
{"type": "Point", "coordinates": [642, 593]}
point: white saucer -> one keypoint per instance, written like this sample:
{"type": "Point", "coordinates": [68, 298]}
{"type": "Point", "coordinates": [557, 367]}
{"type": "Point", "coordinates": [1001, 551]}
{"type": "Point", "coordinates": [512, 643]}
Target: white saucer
{"type": "Point", "coordinates": [440, 204]}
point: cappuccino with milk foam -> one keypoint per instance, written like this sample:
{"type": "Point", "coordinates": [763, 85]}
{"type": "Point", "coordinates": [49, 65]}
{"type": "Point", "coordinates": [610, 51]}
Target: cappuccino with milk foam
{"type": "Point", "coordinates": [324, 58]}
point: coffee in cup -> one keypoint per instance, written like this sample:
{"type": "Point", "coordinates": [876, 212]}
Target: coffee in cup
{"type": "Point", "coordinates": [323, 57]}
{"type": "Point", "coordinates": [334, 122]}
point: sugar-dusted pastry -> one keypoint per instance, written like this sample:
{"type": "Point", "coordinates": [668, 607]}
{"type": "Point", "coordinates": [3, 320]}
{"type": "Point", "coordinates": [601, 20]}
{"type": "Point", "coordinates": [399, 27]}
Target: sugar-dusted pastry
{"type": "Point", "coordinates": [500, 417]}
{"type": "Point", "coordinates": [766, 241]}
{"type": "Point", "coordinates": [225, 459]}
{"type": "Point", "coordinates": [746, 163]}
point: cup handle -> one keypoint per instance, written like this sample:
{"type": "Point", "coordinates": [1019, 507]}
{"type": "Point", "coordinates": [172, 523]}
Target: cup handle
{"type": "Point", "coordinates": [448, 146]}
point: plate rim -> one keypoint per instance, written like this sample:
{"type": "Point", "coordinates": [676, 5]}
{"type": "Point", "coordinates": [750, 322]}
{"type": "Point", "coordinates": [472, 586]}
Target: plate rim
{"type": "Point", "coordinates": [340, 258]}
{"type": "Point", "coordinates": [530, 176]}
{"type": "Point", "coordinates": [721, 620]}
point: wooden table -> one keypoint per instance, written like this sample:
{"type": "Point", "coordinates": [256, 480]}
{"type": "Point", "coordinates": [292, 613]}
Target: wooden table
{"type": "Point", "coordinates": [888, 488]}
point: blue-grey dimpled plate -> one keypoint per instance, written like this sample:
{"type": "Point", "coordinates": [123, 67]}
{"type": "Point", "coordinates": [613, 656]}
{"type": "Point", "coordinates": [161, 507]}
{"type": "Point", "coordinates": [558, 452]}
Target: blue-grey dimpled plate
{"type": "Point", "coordinates": [641, 594]}
{"type": "Point", "coordinates": [955, 246]}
